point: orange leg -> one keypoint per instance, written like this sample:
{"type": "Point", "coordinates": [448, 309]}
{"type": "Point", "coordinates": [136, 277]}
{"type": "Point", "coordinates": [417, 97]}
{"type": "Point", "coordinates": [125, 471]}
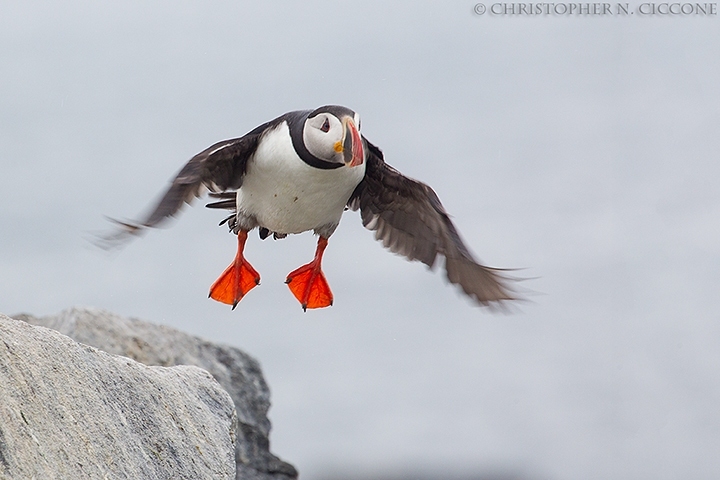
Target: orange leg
{"type": "Point", "coordinates": [237, 280]}
{"type": "Point", "coordinates": [308, 283]}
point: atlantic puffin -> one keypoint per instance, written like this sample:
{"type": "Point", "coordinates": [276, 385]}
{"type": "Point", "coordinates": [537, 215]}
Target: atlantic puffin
{"type": "Point", "coordinates": [300, 172]}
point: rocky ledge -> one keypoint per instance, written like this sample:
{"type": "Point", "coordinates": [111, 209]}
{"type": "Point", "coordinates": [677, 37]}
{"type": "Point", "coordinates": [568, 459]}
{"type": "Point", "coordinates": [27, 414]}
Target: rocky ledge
{"type": "Point", "coordinates": [68, 410]}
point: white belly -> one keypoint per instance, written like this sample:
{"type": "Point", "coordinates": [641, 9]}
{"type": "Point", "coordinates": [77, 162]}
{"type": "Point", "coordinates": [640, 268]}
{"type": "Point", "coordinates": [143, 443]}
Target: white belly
{"type": "Point", "coordinates": [286, 195]}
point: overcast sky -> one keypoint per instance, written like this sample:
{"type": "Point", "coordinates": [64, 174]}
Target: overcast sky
{"type": "Point", "coordinates": [582, 148]}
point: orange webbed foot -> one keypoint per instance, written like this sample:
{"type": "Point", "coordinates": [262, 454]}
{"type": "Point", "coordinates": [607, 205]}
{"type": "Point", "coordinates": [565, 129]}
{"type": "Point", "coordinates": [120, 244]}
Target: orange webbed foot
{"type": "Point", "coordinates": [237, 279]}
{"type": "Point", "coordinates": [234, 283]}
{"type": "Point", "coordinates": [308, 282]}
{"type": "Point", "coordinates": [309, 286]}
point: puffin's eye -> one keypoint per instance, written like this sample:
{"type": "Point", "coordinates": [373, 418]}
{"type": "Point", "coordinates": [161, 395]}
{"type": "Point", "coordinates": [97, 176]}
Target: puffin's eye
{"type": "Point", "coordinates": [325, 126]}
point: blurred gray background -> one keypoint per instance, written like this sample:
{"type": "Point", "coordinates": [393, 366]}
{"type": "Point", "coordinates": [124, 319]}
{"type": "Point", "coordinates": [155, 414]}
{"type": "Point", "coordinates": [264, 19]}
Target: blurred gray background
{"type": "Point", "coordinates": [584, 149]}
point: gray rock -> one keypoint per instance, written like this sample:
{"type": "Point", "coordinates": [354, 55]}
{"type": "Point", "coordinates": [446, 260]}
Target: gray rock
{"type": "Point", "coordinates": [153, 344]}
{"type": "Point", "coordinates": [70, 411]}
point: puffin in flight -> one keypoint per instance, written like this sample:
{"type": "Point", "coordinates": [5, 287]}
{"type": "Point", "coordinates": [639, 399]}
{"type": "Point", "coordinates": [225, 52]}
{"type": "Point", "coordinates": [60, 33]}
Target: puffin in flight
{"type": "Point", "coordinates": [300, 172]}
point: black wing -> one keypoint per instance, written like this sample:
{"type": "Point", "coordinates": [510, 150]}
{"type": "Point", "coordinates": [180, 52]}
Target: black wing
{"type": "Point", "coordinates": [218, 168]}
{"type": "Point", "coordinates": [409, 219]}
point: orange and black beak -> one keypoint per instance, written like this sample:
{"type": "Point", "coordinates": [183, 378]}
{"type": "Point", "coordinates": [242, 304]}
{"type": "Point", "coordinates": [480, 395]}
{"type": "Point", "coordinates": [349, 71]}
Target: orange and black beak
{"type": "Point", "coordinates": [352, 146]}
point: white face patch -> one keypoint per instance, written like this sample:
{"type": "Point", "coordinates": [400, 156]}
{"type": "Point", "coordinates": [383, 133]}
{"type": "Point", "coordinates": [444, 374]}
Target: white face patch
{"type": "Point", "coordinates": [323, 135]}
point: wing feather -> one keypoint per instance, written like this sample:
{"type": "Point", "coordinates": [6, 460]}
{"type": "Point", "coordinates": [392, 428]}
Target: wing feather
{"type": "Point", "coordinates": [218, 168]}
{"type": "Point", "coordinates": [409, 219]}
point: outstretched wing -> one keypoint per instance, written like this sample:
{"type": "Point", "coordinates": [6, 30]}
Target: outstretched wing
{"type": "Point", "coordinates": [218, 168]}
{"type": "Point", "coordinates": [409, 219]}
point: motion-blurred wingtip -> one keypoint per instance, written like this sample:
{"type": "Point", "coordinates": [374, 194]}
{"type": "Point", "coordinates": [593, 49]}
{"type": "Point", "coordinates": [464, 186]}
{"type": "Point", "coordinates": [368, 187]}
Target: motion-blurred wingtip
{"type": "Point", "coordinates": [119, 237]}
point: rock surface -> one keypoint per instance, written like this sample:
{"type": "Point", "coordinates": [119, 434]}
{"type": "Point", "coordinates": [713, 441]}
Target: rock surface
{"type": "Point", "coordinates": [70, 411]}
{"type": "Point", "coordinates": [237, 372]}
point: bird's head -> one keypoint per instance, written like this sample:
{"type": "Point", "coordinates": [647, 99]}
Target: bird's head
{"type": "Point", "coordinates": [332, 133]}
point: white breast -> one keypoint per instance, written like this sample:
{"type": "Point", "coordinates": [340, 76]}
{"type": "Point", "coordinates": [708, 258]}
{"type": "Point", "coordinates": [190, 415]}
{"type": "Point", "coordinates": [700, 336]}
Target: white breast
{"type": "Point", "coordinates": [286, 195]}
